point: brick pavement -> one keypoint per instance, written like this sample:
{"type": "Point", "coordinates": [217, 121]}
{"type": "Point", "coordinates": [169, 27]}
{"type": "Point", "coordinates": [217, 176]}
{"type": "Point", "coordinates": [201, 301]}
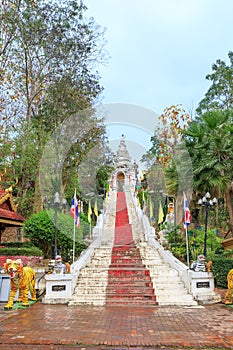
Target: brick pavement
{"type": "Point", "coordinates": [83, 327]}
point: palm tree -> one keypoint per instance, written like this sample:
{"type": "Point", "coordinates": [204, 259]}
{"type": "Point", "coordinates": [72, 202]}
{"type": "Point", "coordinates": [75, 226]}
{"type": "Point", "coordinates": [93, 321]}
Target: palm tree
{"type": "Point", "coordinates": [210, 144]}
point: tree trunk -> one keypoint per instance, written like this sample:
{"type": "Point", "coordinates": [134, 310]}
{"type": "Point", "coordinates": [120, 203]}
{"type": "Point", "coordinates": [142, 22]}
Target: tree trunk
{"type": "Point", "coordinates": [228, 196]}
{"type": "Point", "coordinates": [38, 202]}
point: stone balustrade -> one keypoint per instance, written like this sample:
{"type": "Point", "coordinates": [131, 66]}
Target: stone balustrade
{"type": "Point", "coordinates": [199, 284]}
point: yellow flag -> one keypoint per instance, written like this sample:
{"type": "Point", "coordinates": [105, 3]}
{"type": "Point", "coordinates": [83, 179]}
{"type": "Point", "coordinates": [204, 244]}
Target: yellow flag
{"type": "Point", "coordinates": [96, 209]}
{"type": "Point", "coordinates": [106, 198]}
{"type": "Point", "coordinates": [89, 212]}
{"type": "Point", "coordinates": [151, 209]}
{"type": "Point", "coordinates": [161, 215]}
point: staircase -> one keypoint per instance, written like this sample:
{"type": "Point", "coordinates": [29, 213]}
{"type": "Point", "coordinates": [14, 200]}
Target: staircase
{"type": "Point", "coordinates": [129, 281]}
{"type": "Point", "coordinates": [170, 290]}
{"type": "Point", "coordinates": [128, 273]}
{"type": "Point", "coordinates": [93, 279]}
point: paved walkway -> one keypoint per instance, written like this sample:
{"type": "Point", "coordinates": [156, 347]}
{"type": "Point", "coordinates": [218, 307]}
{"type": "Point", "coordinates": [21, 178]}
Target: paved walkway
{"type": "Point", "coordinates": [83, 327]}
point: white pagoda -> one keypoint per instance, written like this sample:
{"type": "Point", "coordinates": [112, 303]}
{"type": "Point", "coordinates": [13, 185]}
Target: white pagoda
{"type": "Point", "coordinates": [126, 171]}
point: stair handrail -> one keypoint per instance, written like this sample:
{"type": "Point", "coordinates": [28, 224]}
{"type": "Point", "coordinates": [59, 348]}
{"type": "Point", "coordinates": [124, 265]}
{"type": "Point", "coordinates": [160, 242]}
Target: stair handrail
{"type": "Point", "coordinates": [149, 235]}
{"type": "Point", "coordinates": [175, 263]}
{"type": "Point", "coordinates": [87, 254]}
{"type": "Point", "coordinates": [83, 260]}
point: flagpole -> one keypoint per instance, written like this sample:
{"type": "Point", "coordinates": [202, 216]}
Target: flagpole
{"type": "Point", "coordinates": [187, 245]}
{"type": "Point", "coordinates": [75, 199]}
{"type": "Point", "coordinates": [74, 241]}
{"type": "Point", "coordinates": [187, 221]}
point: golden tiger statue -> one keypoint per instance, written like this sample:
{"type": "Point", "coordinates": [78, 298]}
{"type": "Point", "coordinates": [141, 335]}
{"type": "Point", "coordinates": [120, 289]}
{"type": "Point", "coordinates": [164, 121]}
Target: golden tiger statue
{"type": "Point", "coordinates": [229, 293]}
{"type": "Point", "coordinates": [22, 279]}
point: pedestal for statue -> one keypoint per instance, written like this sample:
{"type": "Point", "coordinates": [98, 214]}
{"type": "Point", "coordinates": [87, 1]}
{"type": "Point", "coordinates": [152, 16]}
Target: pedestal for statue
{"type": "Point", "coordinates": [58, 288]}
{"type": "Point", "coordinates": [202, 287]}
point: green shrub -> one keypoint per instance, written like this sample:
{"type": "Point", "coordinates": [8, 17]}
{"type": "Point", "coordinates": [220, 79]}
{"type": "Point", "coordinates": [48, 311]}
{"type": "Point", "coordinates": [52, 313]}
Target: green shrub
{"type": "Point", "coordinates": [220, 267]}
{"type": "Point", "coordinates": [213, 244]}
{"type": "Point", "coordinates": [14, 251]}
{"type": "Point", "coordinates": [17, 244]}
{"type": "Point", "coordinates": [228, 253]}
{"type": "Point", "coordinates": [40, 229]}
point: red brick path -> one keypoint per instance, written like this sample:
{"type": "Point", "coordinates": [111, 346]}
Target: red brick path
{"type": "Point", "coordinates": [61, 327]}
{"type": "Point", "coordinates": [55, 326]}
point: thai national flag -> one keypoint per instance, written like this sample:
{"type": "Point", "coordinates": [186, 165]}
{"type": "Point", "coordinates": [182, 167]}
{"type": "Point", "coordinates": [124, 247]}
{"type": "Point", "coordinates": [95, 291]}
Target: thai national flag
{"type": "Point", "coordinates": [187, 214]}
{"type": "Point", "coordinates": [74, 210]}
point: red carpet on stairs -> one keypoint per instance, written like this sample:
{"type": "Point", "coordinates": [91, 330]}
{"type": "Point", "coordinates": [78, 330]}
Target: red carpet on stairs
{"type": "Point", "coordinates": [123, 232]}
{"type": "Point", "coordinates": [129, 281]}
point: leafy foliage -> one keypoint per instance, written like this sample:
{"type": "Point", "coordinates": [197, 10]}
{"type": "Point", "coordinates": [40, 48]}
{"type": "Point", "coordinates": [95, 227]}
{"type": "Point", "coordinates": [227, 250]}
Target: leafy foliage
{"type": "Point", "coordinates": [220, 93]}
{"type": "Point", "coordinates": [48, 55]}
{"type": "Point", "coordinates": [153, 153]}
{"type": "Point", "coordinates": [11, 251]}
{"type": "Point", "coordinates": [177, 243]}
{"type": "Point", "coordinates": [43, 42]}
{"type": "Point", "coordinates": [167, 135]}
{"type": "Point", "coordinates": [27, 244]}
{"type": "Point", "coordinates": [40, 229]}
{"type": "Point", "coordinates": [102, 178]}
{"type": "Point", "coordinates": [196, 243]}
{"type": "Point", "coordinates": [209, 142]}
{"type": "Point", "coordinates": [220, 267]}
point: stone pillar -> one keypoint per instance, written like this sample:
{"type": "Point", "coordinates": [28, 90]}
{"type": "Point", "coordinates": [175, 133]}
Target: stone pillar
{"type": "Point", "coordinates": [202, 287]}
{"type": "Point", "coordinates": [58, 288]}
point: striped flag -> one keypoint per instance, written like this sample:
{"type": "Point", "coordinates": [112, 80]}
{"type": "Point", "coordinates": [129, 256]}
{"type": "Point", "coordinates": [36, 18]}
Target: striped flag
{"type": "Point", "coordinates": [187, 214]}
{"type": "Point", "coordinates": [74, 210]}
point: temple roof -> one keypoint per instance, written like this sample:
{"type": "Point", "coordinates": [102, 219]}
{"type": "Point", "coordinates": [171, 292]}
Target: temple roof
{"type": "Point", "coordinates": [8, 214]}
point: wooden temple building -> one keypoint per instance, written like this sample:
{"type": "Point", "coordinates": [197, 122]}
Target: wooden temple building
{"type": "Point", "coordinates": [10, 221]}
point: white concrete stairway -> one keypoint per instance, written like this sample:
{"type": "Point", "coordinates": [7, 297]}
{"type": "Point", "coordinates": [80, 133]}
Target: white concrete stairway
{"type": "Point", "coordinates": [168, 286]}
{"type": "Point", "coordinates": [93, 279]}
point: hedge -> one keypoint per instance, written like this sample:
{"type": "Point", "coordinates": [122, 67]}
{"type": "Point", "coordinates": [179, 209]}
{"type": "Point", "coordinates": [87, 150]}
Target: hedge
{"type": "Point", "coordinates": [32, 251]}
{"type": "Point", "coordinates": [17, 244]}
{"type": "Point", "coordinates": [220, 267]}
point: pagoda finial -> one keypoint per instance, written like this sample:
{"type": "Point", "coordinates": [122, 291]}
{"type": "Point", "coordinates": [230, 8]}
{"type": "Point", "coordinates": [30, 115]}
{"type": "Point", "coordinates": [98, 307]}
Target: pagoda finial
{"type": "Point", "coordinates": [9, 190]}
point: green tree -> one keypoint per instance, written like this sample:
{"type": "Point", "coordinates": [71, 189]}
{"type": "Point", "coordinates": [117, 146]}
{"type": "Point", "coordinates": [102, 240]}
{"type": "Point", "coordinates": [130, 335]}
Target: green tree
{"type": "Point", "coordinates": [48, 53]}
{"type": "Point", "coordinates": [50, 40]}
{"type": "Point", "coordinates": [169, 171]}
{"type": "Point", "coordinates": [102, 179]}
{"type": "Point", "coordinates": [220, 93]}
{"type": "Point", "coordinates": [196, 243]}
{"type": "Point", "coordinates": [150, 157]}
{"type": "Point", "coordinates": [167, 135]}
{"type": "Point", "coordinates": [210, 144]}
{"type": "Point", "coordinates": [40, 229]}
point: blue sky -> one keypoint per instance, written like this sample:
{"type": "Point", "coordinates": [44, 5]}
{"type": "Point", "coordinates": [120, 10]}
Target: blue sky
{"type": "Point", "coordinates": [161, 50]}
